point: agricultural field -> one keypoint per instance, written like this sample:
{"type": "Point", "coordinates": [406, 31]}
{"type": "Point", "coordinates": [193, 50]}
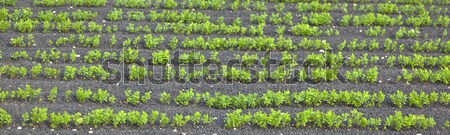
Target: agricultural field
{"type": "Point", "coordinates": [224, 67]}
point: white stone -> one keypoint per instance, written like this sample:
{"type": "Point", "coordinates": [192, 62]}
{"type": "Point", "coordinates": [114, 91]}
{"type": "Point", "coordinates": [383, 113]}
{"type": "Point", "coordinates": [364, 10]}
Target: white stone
{"type": "Point", "coordinates": [175, 130]}
{"type": "Point", "coordinates": [52, 129]}
{"type": "Point", "coordinates": [77, 55]}
{"type": "Point", "coordinates": [19, 128]}
{"type": "Point", "coordinates": [74, 129]}
{"type": "Point", "coordinates": [90, 132]}
{"type": "Point", "coordinates": [321, 51]}
{"type": "Point", "coordinates": [183, 133]}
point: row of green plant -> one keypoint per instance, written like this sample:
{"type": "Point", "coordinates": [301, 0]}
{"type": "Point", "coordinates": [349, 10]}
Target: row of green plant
{"type": "Point", "coordinates": [418, 61]}
{"type": "Point", "coordinates": [81, 3]}
{"type": "Point", "coordinates": [87, 73]}
{"type": "Point", "coordinates": [109, 117]}
{"type": "Point", "coordinates": [392, 8]}
{"type": "Point", "coordinates": [372, 19]}
{"type": "Point", "coordinates": [244, 43]}
{"type": "Point", "coordinates": [390, 45]}
{"type": "Point", "coordinates": [415, 99]}
{"type": "Point", "coordinates": [163, 57]}
{"type": "Point", "coordinates": [426, 75]}
{"type": "Point", "coordinates": [308, 97]}
{"type": "Point", "coordinates": [79, 15]}
{"type": "Point", "coordinates": [327, 119]}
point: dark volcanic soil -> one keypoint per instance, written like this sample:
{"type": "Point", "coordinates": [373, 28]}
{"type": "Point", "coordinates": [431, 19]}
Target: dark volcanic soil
{"type": "Point", "coordinates": [387, 78]}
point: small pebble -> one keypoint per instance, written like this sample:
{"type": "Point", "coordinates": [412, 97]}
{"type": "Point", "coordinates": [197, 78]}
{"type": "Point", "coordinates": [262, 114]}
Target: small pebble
{"type": "Point", "coordinates": [90, 132]}
{"type": "Point", "coordinates": [52, 129]}
{"type": "Point", "coordinates": [175, 130]}
{"type": "Point", "coordinates": [183, 133]}
{"type": "Point", "coordinates": [19, 127]}
{"type": "Point", "coordinates": [74, 129]}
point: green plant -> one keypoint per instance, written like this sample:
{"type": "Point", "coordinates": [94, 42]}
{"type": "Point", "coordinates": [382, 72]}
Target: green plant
{"type": "Point", "coordinates": [82, 95]}
{"type": "Point", "coordinates": [69, 73]}
{"type": "Point", "coordinates": [64, 26]}
{"type": "Point", "coordinates": [79, 27]}
{"type": "Point", "coordinates": [320, 18]}
{"type": "Point", "coordinates": [94, 27]}
{"type": "Point", "coordinates": [58, 119]}
{"type": "Point", "coordinates": [4, 25]}
{"type": "Point", "coordinates": [36, 70]}
{"type": "Point", "coordinates": [184, 97]}
{"type": "Point", "coordinates": [375, 31]}
{"type": "Point", "coordinates": [119, 118]}
{"type": "Point", "coordinates": [146, 97]}
{"type": "Point", "coordinates": [51, 72]}
{"type": "Point", "coordinates": [5, 117]}
{"type": "Point", "coordinates": [39, 115]}
{"type": "Point", "coordinates": [25, 118]}
{"type": "Point", "coordinates": [129, 55]}
{"type": "Point", "coordinates": [68, 95]}
{"type": "Point", "coordinates": [164, 120]}
{"type": "Point", "coordinates": [53, 94]}
{"type": "Point", "coordinates": [136, 118]}
{"type": "Point", "coordinates": [103, 96]}
{"type": "Point", "coordinates": [179, 120]}
{"type": "Point", "coordinates": [165, 98]}
{"type": "Point", "coordinates": [154, 117]}
{"type": "Point", "coordinates": [398, 98]}
{"type": "Point", "coordinates": [133, 98]}
{"type": "Point", "coordinates": [305, 30]}
{"type": "Point", "coordinates": [161, 57]}
{"type": "Point", "coordinates": [236, 119]}
{"type": "Point", "coordinates": [170, 4]}
{"type": "Point", "coordinates": [137, 72]}
{"type": "Point", "coordinates": [260, 19]}
{"type": "Point", "coordinates": [151, 42]}
{"type": "Point", "coordinates": [83, 15]}
{"type": "Point", "coordinates": [27, 92]}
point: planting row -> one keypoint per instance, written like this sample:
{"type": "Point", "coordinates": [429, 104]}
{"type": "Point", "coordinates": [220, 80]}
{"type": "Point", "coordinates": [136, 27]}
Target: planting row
{"type": "Point", "coordinates": [385, 8]}
{"type": "Point", "coordinates": [327, 119]}
{"type": "Point", "coordinates": [281, 43]}
{"type": "Point", "coordinates": [164, 57]}
{"type": "Point", "coordinates": [107, 116]}
{"type": "Point", "coordinates": [233, 5]}
{"type": "Point", "coordinates": [208, 28]}
{"type": "Point", "coordinates": [309, 97]}
{"type": "Point", "coordinates": [236, 119]}
{"type": "Point", "coordinates": [371, 19]}
{"type": "Point", "coordinates": [245, 75]}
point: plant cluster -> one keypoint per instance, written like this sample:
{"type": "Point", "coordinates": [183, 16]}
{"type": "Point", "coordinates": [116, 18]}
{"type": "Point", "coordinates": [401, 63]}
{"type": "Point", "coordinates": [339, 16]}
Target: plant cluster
{"type": "Point", "coordinates": [398, 121]}
{"type": "Point", "coordinates": [83, 15]}
{"type": "Point", "coordinates": [58, 3]}
{"type": "Point", "coordinates": [136, 98]}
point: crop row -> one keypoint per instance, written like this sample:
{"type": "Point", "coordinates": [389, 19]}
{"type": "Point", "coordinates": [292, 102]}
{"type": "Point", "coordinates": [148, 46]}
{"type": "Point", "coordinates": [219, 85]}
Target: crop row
{"type": "Point", "coordinates": [327, 119]}
{"type": "Point", "coordinates": [385, 8]}
{"type": "Point", "coordinates": [279, 74]}
{"type": "Point", "coordinates": [27, 26]}
{"type": "Point", "coordinates": [163, 57]}
{"type": "Point", "coordinates": [236, 119]}
{"type": "Point", "coordinates": [308, 97]}
{"type": "Point", "coordinates": [233, 5]}
{"type": "Point", "coordinates": [105, 117]}
{"type": "Point", "coordinates": [372, 19]}
{"type": "Point", "coordinates": [187, 16]}
{"type": "Point", "coordinates": [281, 43]}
